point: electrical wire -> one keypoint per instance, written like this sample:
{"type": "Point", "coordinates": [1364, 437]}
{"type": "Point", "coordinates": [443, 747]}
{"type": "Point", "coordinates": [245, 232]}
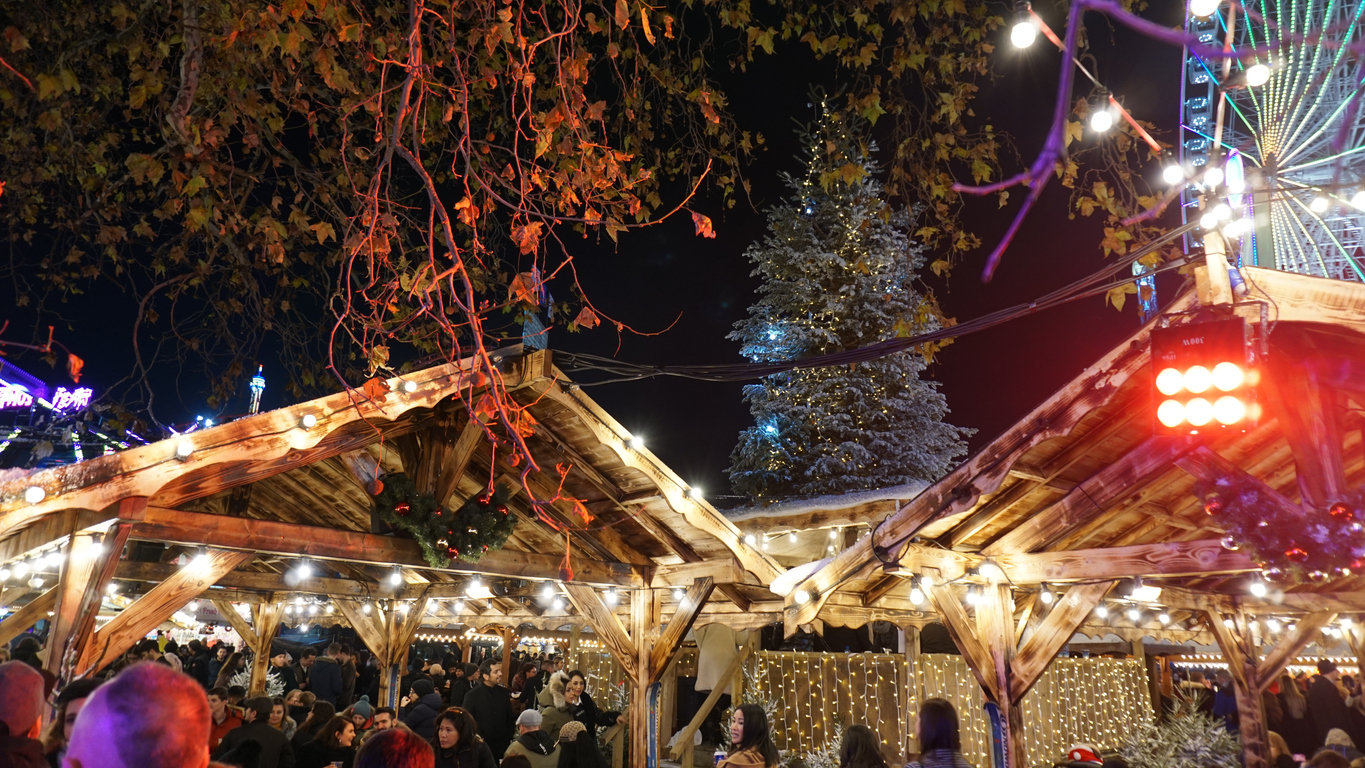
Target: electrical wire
{"type": "Point", "coordinates": [1096, 283]}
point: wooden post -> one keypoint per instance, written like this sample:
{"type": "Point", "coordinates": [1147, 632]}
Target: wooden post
{"type": "Point", "coordinates": [268, 617]}
{"type": "Point", "coordinates": [571, 653]}
{"type": "Point", "coordinates": [509, 637]}
{"type": "Point", "coordinates": [644, 613]}
{"type": "Point", "coordinates": [910, 694]}
{"type": "Point", "coordinates": [995, 629]}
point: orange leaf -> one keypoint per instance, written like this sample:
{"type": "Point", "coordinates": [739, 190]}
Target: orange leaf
{"type": "Point", "coordinates": [527, 237]}
{"type": "Point", "coordinates": [703, 225]}
{"type": "Point", "coordinates": [375, 389]}
{"type": "Point", "coordinates": [524, 289]}
{"type": "Point", "coordinates": [73, 367]}
{"type": "Point", "coordinates": [586, 318]}
{"type": "Point", "coordinates": [486, 408]}
{"type": "Point", "coordinates": [644, 22]}
{"type": "Point", "coordinates": [622, 14]}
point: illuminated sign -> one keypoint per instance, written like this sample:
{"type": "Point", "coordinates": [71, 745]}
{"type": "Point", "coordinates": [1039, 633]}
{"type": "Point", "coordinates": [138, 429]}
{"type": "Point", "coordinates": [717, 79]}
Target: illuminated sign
{"type": "Point", "coordinates": [13, 397]}
{"type": "Point", "coordinates": [63, 399]}
{"type": "Point", "coordinates": [71, 399]}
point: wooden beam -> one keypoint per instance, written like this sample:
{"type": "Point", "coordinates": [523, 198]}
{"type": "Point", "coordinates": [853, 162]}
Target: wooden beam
{"type": "Point", "coordinates": [604, 622]}
{"type": "Point", "coordinates": [672, 636]}
{"type": "Point", "coordinates": [252, 448]}
{"type": "Point", "coordinates": [1305, 632]}
{"type": "Point", "coordinates": [644, 631]}
{"type": "Point", "coordinates": [959, 627]}
{"type": "Point", "coordinates": [458, 458]}
{"type": "Point", "coordinates": [1307, 414]}
{"type": "Point", "coordinates": [1164, 559]}
{"type": "Point", "coordinates": [237, 622]}
{"type": "Point", "coordinates": [18, 622]}
{"type": "Point", "coordinates": [291, 540]}
{"type": "Point", "coordinates": [148, 611]}
{"type": "Point", "coordinates": [1053, 633]}
{"type": "Point", "coordinates": [959, 490]}
{"type": "Point", "coordinates": [1092, 496]}
{"type": "Point", "coordinates": [994, 628]}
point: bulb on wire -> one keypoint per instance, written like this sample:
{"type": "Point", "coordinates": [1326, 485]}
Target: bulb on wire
{"type": "Point", "coordinates": [1257, 75]}
{"type": "Point", "coordinates": [1023, 33]}
{"type": "Point", "coordinates": [1173, 173]}
{"type": "Point", "coordinates": [1046, 595]}
{"type": "Point", "coordinates": [1101, 120]}
{"type": "Point", "coordinates": [1202, 9]}
{"type": "Point", "coordinates": [1320, 204]}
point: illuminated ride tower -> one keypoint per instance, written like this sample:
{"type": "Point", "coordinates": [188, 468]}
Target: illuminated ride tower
{"type": "Point", "coordinates": [257, 387]}
{"type": "Point", "coordinates": [1278, 137]}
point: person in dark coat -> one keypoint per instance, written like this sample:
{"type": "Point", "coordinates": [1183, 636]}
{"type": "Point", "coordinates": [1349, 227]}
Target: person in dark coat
{"type": "Point", "coordinates": [348, 676]}
{"type": "Point", "coordinates": [275, 751]}
{"type": "Point", "coordinates": [334, 744]}
{"type": "Point", "coordinates": [490, 704]}
{"type": "Point", "coordinates": [1325, 702]}
{"type": "Point", "coordinates": [424, 703]}
{"type": "Point", "coordinates": [457, 743]}
{"type": "Point", "coordinates": [279, 663]}
{"type": "Point", "coordinates": [304, 666]}
{"type": "Point", "coordinates": [324, 679]}
{"type": "Point", "coordinates": [463, 684]}
{"type": "Point", "coordinates": [198, 665]}
{"type": "Point", "coordinates": [321, 715]}
{"type": "Point", "coordinates": [416, 671]}
{"type": "Point", "coordinates": [583, 708]}
{"type": "Point", "coordinates": [1225, 701]}
{"type": "Point", "coordinates": [215, 665]}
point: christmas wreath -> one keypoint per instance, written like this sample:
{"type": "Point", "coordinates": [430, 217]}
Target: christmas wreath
{"type": "Point", "coordinates": [1312, 547]}
{"type": "Point", "coordinates": [480, 524]}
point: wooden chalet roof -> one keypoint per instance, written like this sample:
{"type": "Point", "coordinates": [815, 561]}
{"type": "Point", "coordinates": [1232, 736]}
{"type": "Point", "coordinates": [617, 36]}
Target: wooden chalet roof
{"type": "Point", "coordinates": [1081, 490]}
{"type": "Point", "coordinates": [276, 491]}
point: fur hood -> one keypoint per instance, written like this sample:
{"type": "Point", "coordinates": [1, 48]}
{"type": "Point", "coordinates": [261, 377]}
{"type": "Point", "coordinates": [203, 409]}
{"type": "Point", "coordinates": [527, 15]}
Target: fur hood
{"type": "Point", "coordinates": [553, 695]}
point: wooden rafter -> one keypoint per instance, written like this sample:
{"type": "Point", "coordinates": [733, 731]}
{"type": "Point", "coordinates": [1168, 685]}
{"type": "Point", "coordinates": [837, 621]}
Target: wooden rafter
{"type": "Point", "coordinates": [1053, 633]}
{"type": "Point", "coordinates": [18, 622]}
{"type": "Point", "coordinates": [610, 631]}
{"type": "Point", "coordinates": [672, 635]}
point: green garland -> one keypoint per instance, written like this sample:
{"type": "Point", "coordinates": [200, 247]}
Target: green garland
{"type": "Point", "coordinates": [480, 524]}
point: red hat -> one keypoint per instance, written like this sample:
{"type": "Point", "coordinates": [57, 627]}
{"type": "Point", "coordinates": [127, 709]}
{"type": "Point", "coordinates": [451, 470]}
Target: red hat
{"type": "Point", "coordinates": [1084, 753]}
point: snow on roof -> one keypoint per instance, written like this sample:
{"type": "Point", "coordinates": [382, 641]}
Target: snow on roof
{"type": "Point", "coordinates": [827, 503]}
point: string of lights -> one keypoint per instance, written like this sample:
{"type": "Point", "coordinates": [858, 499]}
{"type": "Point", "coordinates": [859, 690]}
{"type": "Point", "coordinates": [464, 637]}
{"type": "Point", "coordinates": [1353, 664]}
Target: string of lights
{"type": "Point", "coordinates": [1097, 283]}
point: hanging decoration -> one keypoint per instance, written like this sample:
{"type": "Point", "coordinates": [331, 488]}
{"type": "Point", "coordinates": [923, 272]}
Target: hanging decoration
{"type": "Point", "coordinates": [1291, 546]}
{"type": "Point", "coordinates": [482, 523]}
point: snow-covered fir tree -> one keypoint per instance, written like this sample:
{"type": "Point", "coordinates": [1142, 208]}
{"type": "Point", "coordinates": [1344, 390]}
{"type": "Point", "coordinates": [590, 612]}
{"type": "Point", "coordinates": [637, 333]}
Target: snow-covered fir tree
{"type": "Point", "coordinates": [838, 272]}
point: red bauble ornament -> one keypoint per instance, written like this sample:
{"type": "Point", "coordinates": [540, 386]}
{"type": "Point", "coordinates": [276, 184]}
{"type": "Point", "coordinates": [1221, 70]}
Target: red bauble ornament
{"type": "Point", "coordinates": [402, 508]}
{"type": "Point", "coordinates": [485, 547]}
{"type": "Point", "coordinates": [452, 553]}
{"type": "Point", "coordinates": [501, 508]}
{"type": "Point", "coordinates": [438, 512]}
{"type": "Point", "coordinates": [1297, 554]}
{"type": "Point", "coordinates": [1213, 505]}
{"type": "Point", "coordinates": [1341, 511]}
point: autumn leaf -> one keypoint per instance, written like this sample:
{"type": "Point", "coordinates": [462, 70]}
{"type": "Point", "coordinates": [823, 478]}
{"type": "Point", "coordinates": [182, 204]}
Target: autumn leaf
{"type": "Point", "coordinates": [1074, 131]}
{"type": "Point", "coordinates": [379, 357]}
{"type": "Point", "coordinates": [644, 23]}
{"type": "Point", "coordinates": [324, 231]}
{"type": "Point", "coordinates": [622, 14]}
{"type": "Point", "coordinates": [527, 237]}
{"type": "Point", "coordinates": [703, 225]}
{"type": "Point", "coordinates": [486, 410]}
{"type": "Point", "coordinates": [73, 367]}
{"type": "Point", "coordinates": [468, 211]}
{"type": "Point", "coordinates": [375, 389]}
{"type": "Point", "coordinates": [524, 289]}
{"type": "Point", "coordinates": [1119, 294]}
{"type": "Point", "coordinates": [586, 318]}
{"type": "Point", "coordinates": [583, 512]}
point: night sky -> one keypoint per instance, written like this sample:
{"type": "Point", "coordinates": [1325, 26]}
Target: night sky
{"type": "Point", "coordinates": [665, 272]}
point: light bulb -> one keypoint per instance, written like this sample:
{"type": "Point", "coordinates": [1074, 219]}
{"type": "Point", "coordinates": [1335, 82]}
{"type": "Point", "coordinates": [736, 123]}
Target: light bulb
{"type": "Point", "coordinates": [1173, 174]}
{"type": "Point", "coordinates": [1320, 204]}
{"type": "Point", "coordinates": [973, 595]}
{"type": "Point", "coordinates": [750, 539]}
{"type": "Point", "coordinates": [678, 593]}
{"type": "Point", "coordinates": [1213, 176]}
{"type": "Point", "coordinates": [833, 533]}
{"type": "Point", "coordinates": [305, 570]}
{"type": "Point", "coordinates": [36, 582]}
{"type": "Point", "coordinates": [34, 494]}
{"type": "Point", "coordinates": [1208, 221]}
{"type": "Point", "coordinates": [183, 449]}
{"type": "Point", "coordinates": [548, 591]}
{"type": "Point", "coordinates": [1203, 8]}
{"type": "Point", "coordinates": [21, 569]}
{"type": "Point", "coordinates": [5, 574]}
{"type": "Point", "coordinates": [1358, 200]}
{"type": "Point", "coordinates": [457, 606]}
{"type": "Point", "coordinates": [1222, 210]}
{"type": "Point", "coordinates": [1134, 614]}
{"type": "Point", "coordinates": [366, 608]}
{"type": "Point", "coordinates": [916, 595]}
{"type": "Point", "coordinates": [1163, 617]}
{"type": "Point", "coordinates": [1101, 120]}
{"type": "Point", "coordinates": [693, 492]}
{"type": "Point", "coordinates": [634, 443]}
{"type": "Point", "coordinates": [308, 421]}
{"type": "Point", "coordinates": [303, 627]}
{"type": "Point", "coordinates": [1102, 611]}
{"type": "Point", "coordinates": [201, 559]}
{"type": "Point", "coordinates": [1197, 379]}
{"type": "Point", "coordinates": [409, 386]}
{"type": "Point", "coordinates": [801, 597]}
{"type": "Point", "coordinates": [558, 604]}
{"type": "Point", "coordinates": [1169, 382]}
{"type": "Point", "coordinates": [792, 537]}
{"type": "Point", "coordinates": [1046, 596]}
{"type": "Point", "coordinates": [612, 596]}
{"type": "Point", "coordinates": [926, 581]}
{"type": "Point", "coordinates": [1023, 34]}
{"type": "Point", "coordinates": [111, 588]}
{"type": "Point", "coordinates": [396, 578]}
{"type": "Point", "coordinates": [1257, 75]}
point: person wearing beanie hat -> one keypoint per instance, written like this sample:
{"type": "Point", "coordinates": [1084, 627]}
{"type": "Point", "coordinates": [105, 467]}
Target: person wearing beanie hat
{"type": "Point", "coordinates": [1326, 702]}
{"type": "Point", "coordinates": [279, 664]}
{"type": "Point", "coordinates": [533, 743]}
{"type": "Point", "coordinates": [361, 715]}
{"type": "Point", "coordinates": [424, 705]}
{"type": "Point", "coordinates": [21, 711]}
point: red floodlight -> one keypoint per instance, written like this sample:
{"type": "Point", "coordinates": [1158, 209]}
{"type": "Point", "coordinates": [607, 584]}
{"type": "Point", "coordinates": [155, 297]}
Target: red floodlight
{"type": "Point", "coordinates": [1203, 377]}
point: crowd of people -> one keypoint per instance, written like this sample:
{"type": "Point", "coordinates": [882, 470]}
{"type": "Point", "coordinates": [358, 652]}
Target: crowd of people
{"type": "Point", "coordinates": [465, 718]}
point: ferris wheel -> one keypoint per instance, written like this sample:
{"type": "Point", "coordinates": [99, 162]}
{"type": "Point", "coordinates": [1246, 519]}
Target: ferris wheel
{"type": "Point", "coordinates": [1281, 138]}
